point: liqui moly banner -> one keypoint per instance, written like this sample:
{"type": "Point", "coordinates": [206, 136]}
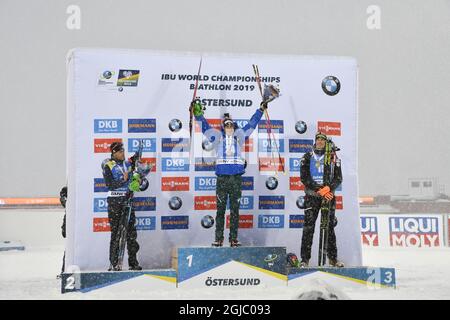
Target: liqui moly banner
{"type": "Point", "coordinates": [403, 230]}
{"type": "Point", "coordinates": [136, 95]}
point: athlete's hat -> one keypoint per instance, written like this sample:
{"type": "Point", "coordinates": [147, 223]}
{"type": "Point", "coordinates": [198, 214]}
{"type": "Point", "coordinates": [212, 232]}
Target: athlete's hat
{"type": "Point", "coordinates": [321, 136]}
{"type": "Point", "coordinates": [116, 146]}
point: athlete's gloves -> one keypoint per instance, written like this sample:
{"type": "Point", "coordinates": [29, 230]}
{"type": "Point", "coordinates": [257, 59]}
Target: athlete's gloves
{"type": "Point", "coordinates": [323, 191]}
{"type": "Point", "coordinates": [134, 157]}
{"type": "Point", "coordinates": [197, 108]}
{"type": "Point", "coordinates": [329, 196]}
{"type": "Point", "coordinates": [135, 183]}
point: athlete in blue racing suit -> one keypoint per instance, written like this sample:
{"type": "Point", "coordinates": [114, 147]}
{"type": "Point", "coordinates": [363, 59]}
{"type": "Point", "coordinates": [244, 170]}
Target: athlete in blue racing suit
{"type": "Point", "coordinates": [117, 175]}
{"type": "Point", "coordinates": [230, 167]}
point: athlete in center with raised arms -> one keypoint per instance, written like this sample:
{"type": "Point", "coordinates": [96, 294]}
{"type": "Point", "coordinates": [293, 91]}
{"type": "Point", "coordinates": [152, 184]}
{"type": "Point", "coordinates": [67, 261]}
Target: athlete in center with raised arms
{"type": "Point", "coordinates": [229, 167]}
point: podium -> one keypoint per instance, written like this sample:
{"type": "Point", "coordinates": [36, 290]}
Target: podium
{"type": "Point", "coordinates": [226, 267]}
{"type": "Point", "coordinates": [118, 281]}
{"type": "Point", "coordinates": [349, 277]}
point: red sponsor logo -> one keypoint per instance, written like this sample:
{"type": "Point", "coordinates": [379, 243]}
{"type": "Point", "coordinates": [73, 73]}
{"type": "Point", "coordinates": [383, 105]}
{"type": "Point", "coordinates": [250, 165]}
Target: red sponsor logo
{"type": "Point", "coordinates": [101, 225]}
{"type": "Point", "coordinates": [339, 203]}
{"type": "Point", "coordinates": [175, 183]}
{"type": "Point", "coordinates": [151, 161]}
{"type": "Point", "coordinates": [329, 128]}
{"type": "Point", "coordinates": [245, 221]}
{"type": "Point", "coordinates": [214, 123]}
{"type": "Point", "coordinates": [296, 184]}
{"type": "Point", "coordinates": [248, 145]}
{"type": "Point", "coordinates": [102, 145]}
{"type": "Point", "coordinates": [370, 239]}
{"type": "Point", "coordinates": [405, 239]}
{"type": "Point", "coordinates": [205, 203]}
{"type": "Point", "coordinates": [271, 164]}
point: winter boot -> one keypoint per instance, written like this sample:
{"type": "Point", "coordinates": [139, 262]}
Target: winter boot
{"type": "Point", "coordinates": [217, 243]}
{"type": "Point", "coordinates": [304, 264]}
{"type": "Point", "coordinates": [336, 263]}
{"type": "Point", "coordinates": [135, 267]}
{"type": "Point", "coordinates": [234, 243]}
{"type": "Point", "coordinates": [115, 268]}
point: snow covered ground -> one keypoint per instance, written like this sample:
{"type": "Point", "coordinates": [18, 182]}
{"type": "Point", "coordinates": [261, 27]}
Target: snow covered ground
{"type": "Point", "coordinates": [31, 274]}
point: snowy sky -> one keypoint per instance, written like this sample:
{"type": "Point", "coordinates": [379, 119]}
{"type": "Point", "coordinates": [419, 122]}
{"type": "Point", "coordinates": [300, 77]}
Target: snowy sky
{"type": "Point", "coordinates": [403, 80]}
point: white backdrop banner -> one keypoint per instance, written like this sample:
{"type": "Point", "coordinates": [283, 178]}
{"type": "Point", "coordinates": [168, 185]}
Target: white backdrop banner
{"type": "Point", "coordinates": [127, 95]}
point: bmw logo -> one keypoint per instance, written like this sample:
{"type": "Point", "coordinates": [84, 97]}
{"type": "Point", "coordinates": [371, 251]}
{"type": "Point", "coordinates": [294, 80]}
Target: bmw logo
{"type": "Point", "coordinates": [301, 202]}
{"type": "Point", "coordinates": [207, 145]}
{"type": "Point", "coordinates": [107, 74]}
{"type": "Point", "coordinates": [301, 127]}
{"type": "Point", "coordinates": [331, 85]}
{"type": "Point", "coordinates": [271, 183]}
{"type": "Point", "coordinates": [175, 203]}
{"type": "Point", "coordinates": [175, 125]}
{"type": "Point", "coordinates": [207, 222]}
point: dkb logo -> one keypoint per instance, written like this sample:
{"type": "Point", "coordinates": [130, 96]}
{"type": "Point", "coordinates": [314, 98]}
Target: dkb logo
{"type": "Point", "coordinates": [107, 126]}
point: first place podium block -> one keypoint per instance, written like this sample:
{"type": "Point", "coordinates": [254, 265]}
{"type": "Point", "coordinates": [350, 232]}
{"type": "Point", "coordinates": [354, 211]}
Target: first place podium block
{"type": "Point", "coordinates": [225, 267]}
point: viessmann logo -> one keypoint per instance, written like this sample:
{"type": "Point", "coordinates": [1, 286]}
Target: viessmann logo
{"type": "Point", "coordinates": [296, 184]}
{"type": "Point", "coordinates": [175, 183]}
{"type": "Point", "coordinates": [339, 203]}
{"type": "Point", "coordinates": [214, 123]}
{"type": "Point", "coordinates": [101, 225]}
{"type": "Point", "coordinates": [270, 164]}
{"type": "Point", "coordinates": [151, 161]}
{"type": "Point", "coordinates": [329, 128]}
{"type": "Point", "coordinates": [102, 145]}
{"type": "Point", "coordinates": [248, 145]}
{"type": "Point", "coordinates": [205, 203]}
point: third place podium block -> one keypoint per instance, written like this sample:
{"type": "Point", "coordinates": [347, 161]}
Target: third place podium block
{"type": "Point", "coordinates": [225, 267]}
